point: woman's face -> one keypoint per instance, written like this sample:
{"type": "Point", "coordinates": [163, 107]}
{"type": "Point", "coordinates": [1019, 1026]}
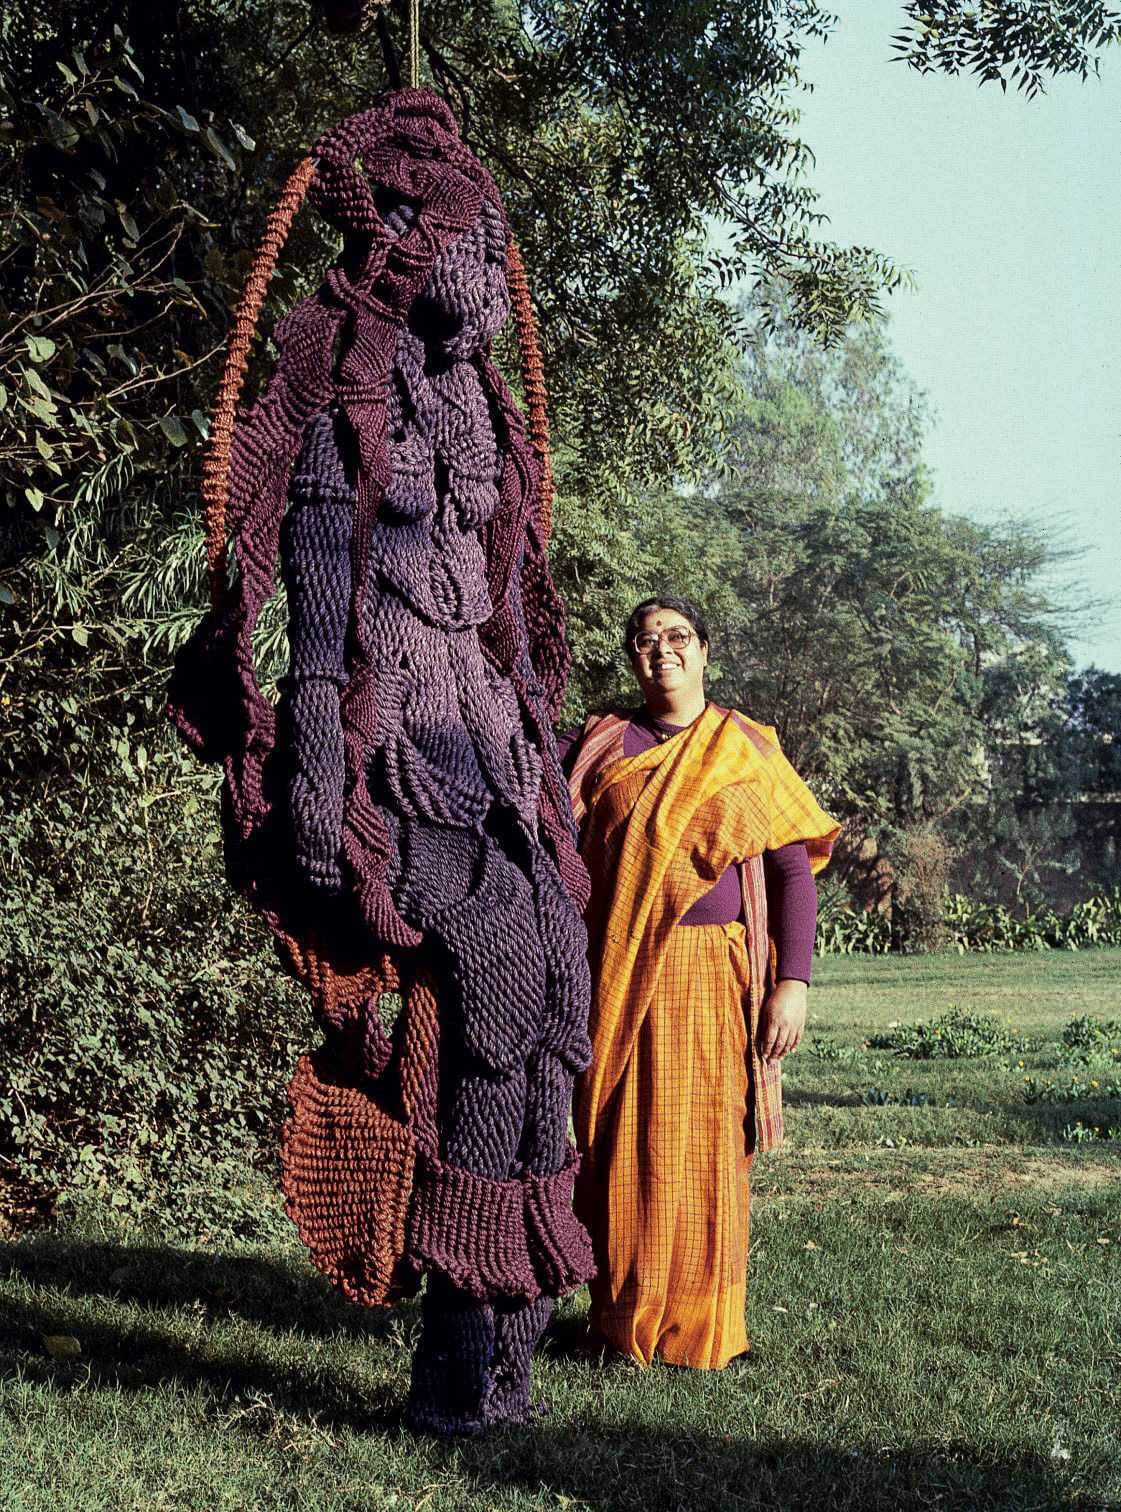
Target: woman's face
{"type": "Point", "coordinates": [664, 668]}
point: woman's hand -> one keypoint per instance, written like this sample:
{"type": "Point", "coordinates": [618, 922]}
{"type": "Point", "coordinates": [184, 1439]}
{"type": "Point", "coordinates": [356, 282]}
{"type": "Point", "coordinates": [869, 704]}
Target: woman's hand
{"type": "Point", "coordinates": [783, 1020]}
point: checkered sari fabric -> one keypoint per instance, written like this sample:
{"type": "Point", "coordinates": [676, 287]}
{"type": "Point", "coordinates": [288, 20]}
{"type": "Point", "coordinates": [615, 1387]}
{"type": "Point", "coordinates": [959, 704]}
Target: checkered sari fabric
{"type": "Point", "coordinates": [677, 1099]}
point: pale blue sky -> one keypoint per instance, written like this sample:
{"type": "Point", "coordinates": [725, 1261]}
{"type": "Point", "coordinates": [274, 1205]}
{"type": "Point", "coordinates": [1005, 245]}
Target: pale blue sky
{"type": "Point", "coordinates": [1008, 212]}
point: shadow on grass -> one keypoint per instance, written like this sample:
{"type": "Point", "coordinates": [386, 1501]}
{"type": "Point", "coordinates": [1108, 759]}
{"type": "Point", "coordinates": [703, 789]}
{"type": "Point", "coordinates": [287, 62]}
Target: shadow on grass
{"type": "Point", "coordinates": [130, 1357]}
{"type": "Point", "coordinates": [1022, 1123]}
{"type": "Point", "coordinates": [176, 1290]}
{"type": "Point", "coordinates": [797, 1097]}
{"type": "Point", "coordinates": [567, 1337]}
{"type": "Point", "coordinates": [290, 1296]}
{"type": "Point", "coordinates": [584, 1454]}
{"type": "Point", "coordinates": [1051, 1121]}
{"type": "Point", "coordinates": [633, 1465]}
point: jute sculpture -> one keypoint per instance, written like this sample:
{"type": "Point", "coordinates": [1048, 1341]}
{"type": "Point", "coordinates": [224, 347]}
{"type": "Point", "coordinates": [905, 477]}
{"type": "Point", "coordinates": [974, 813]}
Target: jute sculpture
{"type": "Point", "coordinates": [400, 815]}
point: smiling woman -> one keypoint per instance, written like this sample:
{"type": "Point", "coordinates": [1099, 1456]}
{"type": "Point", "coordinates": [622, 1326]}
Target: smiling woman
{"type": "Point", "coordinates": [668, 648]}
{"type": "Point", "coordinates": [702, 843]}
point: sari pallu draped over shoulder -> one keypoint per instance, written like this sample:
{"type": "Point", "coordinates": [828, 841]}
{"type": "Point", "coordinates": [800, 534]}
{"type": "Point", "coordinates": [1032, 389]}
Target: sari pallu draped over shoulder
{"type": "Point", "coordinates": [657, 830]}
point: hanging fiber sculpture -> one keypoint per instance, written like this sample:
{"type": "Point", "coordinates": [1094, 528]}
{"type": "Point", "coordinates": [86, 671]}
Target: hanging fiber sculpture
{"type": "Point", "coordinates": [400, 816]}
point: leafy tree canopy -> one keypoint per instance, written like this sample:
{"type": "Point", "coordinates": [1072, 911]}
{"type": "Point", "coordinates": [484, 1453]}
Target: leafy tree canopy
{"type": "Point", "coordinates": [888, 641]}
{"type": "Point", "coordinates": [145, 144]}
{"type": "Point", "coordinates": [1018, 42]}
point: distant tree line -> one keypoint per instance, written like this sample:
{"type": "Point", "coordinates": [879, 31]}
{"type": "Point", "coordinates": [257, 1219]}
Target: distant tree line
{"type": "Point", "coordinates": [914, 662]}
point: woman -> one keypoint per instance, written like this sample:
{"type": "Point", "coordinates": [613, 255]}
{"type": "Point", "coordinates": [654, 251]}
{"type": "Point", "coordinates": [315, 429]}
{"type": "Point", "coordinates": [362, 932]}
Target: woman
{"type": "Point", "coordinates": [696, 831]}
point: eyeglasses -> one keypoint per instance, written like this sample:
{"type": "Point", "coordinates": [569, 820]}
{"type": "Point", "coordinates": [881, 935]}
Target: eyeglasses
{"type": "Point", "coordinates": [677, 637]}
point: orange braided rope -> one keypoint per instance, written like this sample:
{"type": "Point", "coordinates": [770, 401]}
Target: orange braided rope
{"type": "Point", "coordinates": [533, 380]}
{"type": "Point", "coordinates": [216, 465]}
{"type": "Point", "coordinates": [339, 987]}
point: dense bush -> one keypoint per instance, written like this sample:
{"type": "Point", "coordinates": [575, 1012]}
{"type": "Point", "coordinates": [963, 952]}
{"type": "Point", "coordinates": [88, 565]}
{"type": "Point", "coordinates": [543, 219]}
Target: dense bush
{"type": "Point", "coordinates": [969, 924]}
{"type": "Point", "coordinates": [1090, 1035]}
{"type": "Point", "coordinates": [147, 1033]}
{"type": "Point", "coordinates": [952, 1036]}
{"type": "Point", "coordinates": [974, 925]}
{"type": "Point", "coordinates": [921, 860]}
{"type": "Point", "coordinates": [844, 930]}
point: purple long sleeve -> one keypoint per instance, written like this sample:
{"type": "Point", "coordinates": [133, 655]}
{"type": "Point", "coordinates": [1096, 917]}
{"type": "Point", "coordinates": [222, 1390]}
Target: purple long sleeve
{"type": "Point", "coordinates": [791, 890]}
{"type": "Point", "coordinates": [792, 909]}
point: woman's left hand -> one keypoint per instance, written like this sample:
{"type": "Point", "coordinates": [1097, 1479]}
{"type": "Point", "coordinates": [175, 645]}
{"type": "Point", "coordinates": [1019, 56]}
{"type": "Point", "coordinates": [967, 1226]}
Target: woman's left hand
{"type": "Point", "coordinates": [783, 1020]}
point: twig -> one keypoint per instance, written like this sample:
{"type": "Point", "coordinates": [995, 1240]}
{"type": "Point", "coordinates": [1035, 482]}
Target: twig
{"type": "Point", "coordinates": [388, 52]}
{"type": "Point", "coordinates": [139, 383]}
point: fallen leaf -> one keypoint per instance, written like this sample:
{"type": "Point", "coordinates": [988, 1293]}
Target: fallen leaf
{"type": "Point", "coordinates": [62, 1346]}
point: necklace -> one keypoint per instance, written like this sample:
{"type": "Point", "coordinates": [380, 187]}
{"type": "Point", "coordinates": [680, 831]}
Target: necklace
{"type": "Point", "coordinates": [663, 732]}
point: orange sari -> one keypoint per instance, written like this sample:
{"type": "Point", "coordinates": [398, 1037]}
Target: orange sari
{"type": "Point", "coordinates": [665, 1116]}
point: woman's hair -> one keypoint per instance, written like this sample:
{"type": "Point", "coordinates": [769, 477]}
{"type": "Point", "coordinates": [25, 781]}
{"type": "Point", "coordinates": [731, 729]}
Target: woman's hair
{"type": "Point", "coordinates": [680, 606]}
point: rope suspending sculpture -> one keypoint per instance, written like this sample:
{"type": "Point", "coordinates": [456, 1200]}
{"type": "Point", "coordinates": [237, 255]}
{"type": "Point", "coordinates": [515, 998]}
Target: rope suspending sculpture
{"type": "Point", "coordinates": [400, 816]}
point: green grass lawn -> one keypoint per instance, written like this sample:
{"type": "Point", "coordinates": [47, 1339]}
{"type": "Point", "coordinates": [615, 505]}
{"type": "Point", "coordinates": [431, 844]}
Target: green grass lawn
{"type": "Point", "coordinates": [935, 1306]}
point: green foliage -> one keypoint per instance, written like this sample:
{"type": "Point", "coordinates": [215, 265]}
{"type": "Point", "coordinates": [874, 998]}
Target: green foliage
{"type": "Point", "coordinates": [1048, 1090]}
{"type": "Point", "coordinates": [147, 1035]}
{"type": "Point", "coordinates": [1093, 707]}
{"type": "Point", "coordinates": [137, 172]}
{"type": "Point", "coordinates": [969, 924]}
{"type": "Point", "coordinates": [1091, 1042]}
{"type": "Point", "coordinates": [1016, 42]}
{"type": "Point", "coordinates": [1091, 737]}
{"type": "Point", "coordinates": [1088, 1034]}
{"type": "Point", "coordinates": [1101, 1133]}
{"type": "Point", "coordinates": [862, 622]}
{"type": "Point", "coordinates": [1019, 832]}
{"type": "Point", "coordinates": [844, 930]}
{"type": "Point", "coordinates": [99, 357]}
{"type": "Point", "coordinates": [115, 301]}
{"type": "Point", "coordinates": [954, 1035]}
{"type": "Point", "coordinates": [973, 924]}
{"type": "Point", "coordinates": [824, 1049]}
{"type": "Point", "coordinates": [976, 925]}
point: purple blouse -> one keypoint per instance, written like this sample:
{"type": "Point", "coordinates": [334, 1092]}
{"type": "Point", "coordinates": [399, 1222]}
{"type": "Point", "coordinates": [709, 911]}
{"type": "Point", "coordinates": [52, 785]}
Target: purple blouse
{"type": "Point", "coordinates": [791, 890]}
